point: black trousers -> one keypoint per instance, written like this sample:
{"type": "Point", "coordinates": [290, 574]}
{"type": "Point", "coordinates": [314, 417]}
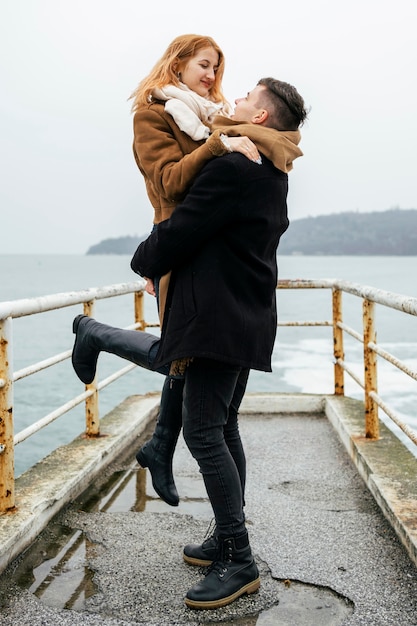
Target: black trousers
{"type": "Point", "coordinates": [212, 395]}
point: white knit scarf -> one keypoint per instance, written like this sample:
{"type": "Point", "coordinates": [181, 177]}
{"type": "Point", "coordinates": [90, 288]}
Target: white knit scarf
{"type": "Point", "coordinates": [191, 112]}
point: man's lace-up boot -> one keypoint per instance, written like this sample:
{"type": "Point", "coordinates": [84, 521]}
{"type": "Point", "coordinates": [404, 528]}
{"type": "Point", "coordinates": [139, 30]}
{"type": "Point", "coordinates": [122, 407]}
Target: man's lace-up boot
{"type": "Point", "coordinates": [232, 574]}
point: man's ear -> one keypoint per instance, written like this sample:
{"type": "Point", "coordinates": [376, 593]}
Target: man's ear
{"type": "Point", "coordinates": [260, 117]}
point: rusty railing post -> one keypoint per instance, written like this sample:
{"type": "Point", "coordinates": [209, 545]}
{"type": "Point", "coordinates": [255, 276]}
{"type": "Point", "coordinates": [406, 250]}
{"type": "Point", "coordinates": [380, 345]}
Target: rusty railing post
{"type": "Point", "coordinates": [92, 415]}
{"type": "Point", "coordinates": [370, 373]}
{"type": "Point", "coordinates": [139, 313]}
{"type": "Point", "coordinates": [7, 486]}
{"type": "Point", "coordinates": [339, 375]}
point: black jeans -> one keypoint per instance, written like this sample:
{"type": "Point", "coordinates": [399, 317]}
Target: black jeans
{"type": "Point", "coordinates": [212, 394]}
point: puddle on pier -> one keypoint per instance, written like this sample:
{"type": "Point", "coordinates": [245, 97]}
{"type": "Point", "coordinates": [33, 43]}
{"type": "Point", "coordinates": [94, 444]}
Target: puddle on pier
{"type": "Point", "coordinates": [55, 567]}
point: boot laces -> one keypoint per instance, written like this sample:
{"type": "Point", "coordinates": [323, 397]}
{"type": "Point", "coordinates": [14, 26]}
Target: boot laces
{"type": "Point", "coordinates": [224, 557]}
{"type": "Point", "coordinates": [210, 534]}
{"type": "Point", "coordinates": [211, 530]}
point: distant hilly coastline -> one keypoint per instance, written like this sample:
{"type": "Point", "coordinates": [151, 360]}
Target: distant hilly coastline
{"type": "Point", "coordinates": [386, 233]}
{"type": "Point", "coordinates": [119, 245]}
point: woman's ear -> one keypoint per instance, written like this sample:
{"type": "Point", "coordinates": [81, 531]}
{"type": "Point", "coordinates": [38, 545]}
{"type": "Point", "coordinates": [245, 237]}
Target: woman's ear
{"type": "Point", "coordinates": [175, 68]}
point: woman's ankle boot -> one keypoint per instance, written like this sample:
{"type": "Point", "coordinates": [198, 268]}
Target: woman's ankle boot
{"type": "Point", "coordinates": [232, 574]}
{"type": "Point", "coordinates": [158, 452]}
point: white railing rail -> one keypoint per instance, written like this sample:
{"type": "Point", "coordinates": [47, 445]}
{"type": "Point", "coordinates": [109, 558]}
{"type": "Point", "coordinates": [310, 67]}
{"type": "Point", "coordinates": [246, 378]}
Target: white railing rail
{"type": "Point", "coordinates": [367, 336]}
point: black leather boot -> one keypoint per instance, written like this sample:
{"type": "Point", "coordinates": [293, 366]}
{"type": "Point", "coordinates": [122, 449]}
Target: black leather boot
{"type": "Point", "coordinates": [92, 337]}
{"type": "Point", "coordinates": [232, 574]}
{"type": "Point", "coordinates": [203, 554]}
{"type": "Point", "coordinates": [157, 453]}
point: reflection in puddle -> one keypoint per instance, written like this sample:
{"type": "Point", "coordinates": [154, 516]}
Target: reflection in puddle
{"type": "Point", "coordinates": [133, 491]}
{"type": "Point", "coordinates": [55, 567]}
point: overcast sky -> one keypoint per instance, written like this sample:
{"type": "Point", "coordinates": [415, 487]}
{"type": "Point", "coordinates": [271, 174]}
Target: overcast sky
{"type": "Point", "coordinates": [67, 68]}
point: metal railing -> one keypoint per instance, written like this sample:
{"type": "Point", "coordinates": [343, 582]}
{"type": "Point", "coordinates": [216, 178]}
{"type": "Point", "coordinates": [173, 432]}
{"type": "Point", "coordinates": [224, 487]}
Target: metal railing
{"type": "Point", "coordinates": [370, 297]}
{"type": "Point", "coordinates": [33, 306]}
{"type": "Point", "coordinates": [20, 308]}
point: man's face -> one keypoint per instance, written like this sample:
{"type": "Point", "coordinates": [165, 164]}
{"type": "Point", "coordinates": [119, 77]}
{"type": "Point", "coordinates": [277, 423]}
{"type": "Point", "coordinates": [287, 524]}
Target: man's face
{"type": "Point", "coordinates": [246, 108]}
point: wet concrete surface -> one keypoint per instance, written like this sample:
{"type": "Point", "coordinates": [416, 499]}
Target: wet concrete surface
{"type": "Point", "coordinates": [326, 554]}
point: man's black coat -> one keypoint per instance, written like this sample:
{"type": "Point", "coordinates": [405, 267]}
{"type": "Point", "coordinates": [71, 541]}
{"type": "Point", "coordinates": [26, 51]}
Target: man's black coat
{"type": "Point", "coordinates": [221, 244]}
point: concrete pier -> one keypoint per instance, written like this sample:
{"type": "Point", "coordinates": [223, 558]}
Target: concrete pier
{"type": "Point", "coordinates": [332, 520]}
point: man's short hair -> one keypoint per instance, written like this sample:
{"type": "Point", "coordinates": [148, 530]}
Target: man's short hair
{"type": "Point", "coordinates": [285, 106]}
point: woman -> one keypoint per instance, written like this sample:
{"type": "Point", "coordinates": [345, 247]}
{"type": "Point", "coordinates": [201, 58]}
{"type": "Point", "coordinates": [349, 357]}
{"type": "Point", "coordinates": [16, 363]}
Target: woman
{"type": "Point", "coordinates": [173, 108]}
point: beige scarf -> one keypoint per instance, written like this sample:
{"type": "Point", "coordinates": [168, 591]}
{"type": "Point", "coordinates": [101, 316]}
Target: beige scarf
{"type": "Point", "coordinates": [193, 113]}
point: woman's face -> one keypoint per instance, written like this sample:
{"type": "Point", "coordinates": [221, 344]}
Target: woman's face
{"type": "Point", "coordinates": [200, 71]}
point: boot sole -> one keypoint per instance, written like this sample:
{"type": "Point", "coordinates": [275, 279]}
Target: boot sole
{"type": "Point", "coordinates": [251, 587]}
{"type": "Point", "coordinates": [193, 561]}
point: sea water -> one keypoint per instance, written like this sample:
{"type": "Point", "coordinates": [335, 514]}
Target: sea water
{"type": "Point", "coordinates": [302, 358]}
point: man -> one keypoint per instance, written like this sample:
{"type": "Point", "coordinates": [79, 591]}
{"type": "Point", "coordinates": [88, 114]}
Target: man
{"type": "Point", "coordinates": [220, 245]}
